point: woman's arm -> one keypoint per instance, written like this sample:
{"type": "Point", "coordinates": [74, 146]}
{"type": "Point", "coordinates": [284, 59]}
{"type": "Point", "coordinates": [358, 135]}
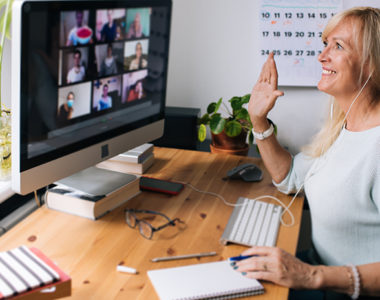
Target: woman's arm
{"type": "Point", "coordinates": [369, 276]}
{"type": "Point", "coordinates": [263, 98]}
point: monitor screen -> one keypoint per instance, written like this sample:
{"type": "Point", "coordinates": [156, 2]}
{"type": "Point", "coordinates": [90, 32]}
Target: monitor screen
{"type": "Point", "coordinates": [84, 75]}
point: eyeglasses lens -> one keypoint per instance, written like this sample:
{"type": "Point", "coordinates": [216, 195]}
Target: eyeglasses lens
{"type": "Point", "coordinates": [130, 218]}
{"type": "Point", "coordinates": [145, 229]}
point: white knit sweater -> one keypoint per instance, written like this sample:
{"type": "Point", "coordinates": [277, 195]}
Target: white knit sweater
{"type": "Point", "coordinates": [343, 193]}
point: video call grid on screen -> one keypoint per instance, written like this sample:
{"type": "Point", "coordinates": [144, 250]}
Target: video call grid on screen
{"type": "Point", "coordinates": [102, 52]}
{"type": "Point", "coordinates": [106, 64]}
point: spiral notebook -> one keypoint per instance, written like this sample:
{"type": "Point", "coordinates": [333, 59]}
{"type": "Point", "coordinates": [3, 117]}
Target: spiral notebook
{"type": "Point", "coordinates": [215, 280]}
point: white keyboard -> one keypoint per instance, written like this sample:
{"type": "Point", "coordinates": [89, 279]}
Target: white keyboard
{"type": "Point", "coordinates": [254, 223]}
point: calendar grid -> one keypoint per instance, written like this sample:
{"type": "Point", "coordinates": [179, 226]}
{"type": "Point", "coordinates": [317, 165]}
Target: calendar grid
{"type": "Point", "coordinates": [292, 30]}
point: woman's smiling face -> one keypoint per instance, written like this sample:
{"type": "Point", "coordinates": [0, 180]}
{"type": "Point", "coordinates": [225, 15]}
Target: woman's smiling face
{"type": "Point", "coordinates": [341, 62]}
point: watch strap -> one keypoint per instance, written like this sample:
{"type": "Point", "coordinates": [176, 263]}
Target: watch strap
{"type": "Point", "coordinates": [263, 135]}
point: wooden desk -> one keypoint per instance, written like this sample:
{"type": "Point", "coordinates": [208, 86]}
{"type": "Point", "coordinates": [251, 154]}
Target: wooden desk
{"type": "Point", "coordinates": [90, 250]}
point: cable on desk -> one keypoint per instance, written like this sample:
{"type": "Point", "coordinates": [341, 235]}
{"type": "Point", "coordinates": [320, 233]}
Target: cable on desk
{"type": "Point", "coordinates": [286, 208]}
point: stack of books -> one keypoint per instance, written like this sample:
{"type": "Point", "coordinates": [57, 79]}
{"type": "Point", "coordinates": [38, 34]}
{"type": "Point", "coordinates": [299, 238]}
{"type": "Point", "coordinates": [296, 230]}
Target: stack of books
{"type": "Point", "coordinates": [100, 191]}
{"type": "Point", "coordinates": [26, 273]}
{"type": "Point", "coordinates": [135, 161]}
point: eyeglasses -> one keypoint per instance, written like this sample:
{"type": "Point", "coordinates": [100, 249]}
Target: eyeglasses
{"type": "Point", "coordinates": [146, 229]}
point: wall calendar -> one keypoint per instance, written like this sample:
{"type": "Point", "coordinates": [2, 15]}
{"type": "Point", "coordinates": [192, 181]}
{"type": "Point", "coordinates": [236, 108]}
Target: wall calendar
{"type": "Point", "coordinates": [292, 29]}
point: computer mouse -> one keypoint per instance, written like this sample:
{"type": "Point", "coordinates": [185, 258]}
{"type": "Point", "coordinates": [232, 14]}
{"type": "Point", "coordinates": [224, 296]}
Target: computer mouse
{"type": "Point", "coordinates": [246, 172]}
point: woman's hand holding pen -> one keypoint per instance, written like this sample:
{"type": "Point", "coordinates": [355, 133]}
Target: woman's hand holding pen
{"type": "Point", "coordinates": [276, 265]}
{"type": "Point", "coordinates": [264, 95]}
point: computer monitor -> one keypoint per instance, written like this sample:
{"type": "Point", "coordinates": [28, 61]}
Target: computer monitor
{"type": "Point", "coordinates": [88, 82]}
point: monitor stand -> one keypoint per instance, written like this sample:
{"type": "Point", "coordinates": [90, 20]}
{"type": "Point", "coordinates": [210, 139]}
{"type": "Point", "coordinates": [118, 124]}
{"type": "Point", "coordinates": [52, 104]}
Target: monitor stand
{"type": "Point", "coordinates": [96, 181]}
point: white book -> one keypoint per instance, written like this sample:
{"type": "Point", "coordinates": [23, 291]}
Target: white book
{"type": "Point", "coordinates": [216, 280]}
{"type": "Point", "coordinates": [127, 167]}
{"type": "Point", "coordinates": [136, 155]}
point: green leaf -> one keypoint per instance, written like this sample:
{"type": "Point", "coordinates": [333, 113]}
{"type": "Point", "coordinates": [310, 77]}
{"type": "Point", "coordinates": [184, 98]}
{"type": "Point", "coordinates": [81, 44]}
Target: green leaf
{"type": "Point", "coordinates": [236, 103]}
{"type": "Point", "coordinates": [245, 98]}
{"type": "Point", "coordinates": [3, 3]}
{"type": "Point", "coordinates": [6, 18]}
{"type": "Point", "coordinates": [217, 124]}
{"type": "Point", "coordinates": [204, 120]}
{"type": "Point", "coordinates": [9, 20]}
{"type": "Point", "coordinates": [202, 133]}
{"type": "Point", "coordinates": [250, 137]}
{"type": "Point", "coordinates": [233, 128]}
{"type": "Point", "coordinates": [218, 105]}
{"type": "Point", "coordinates": [242, 114]}
{"type": "Point", "coordinates": [211, 108]}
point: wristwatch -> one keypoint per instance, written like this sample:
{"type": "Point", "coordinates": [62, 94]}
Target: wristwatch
{"type": "Point", "coordinates": [263, 135]}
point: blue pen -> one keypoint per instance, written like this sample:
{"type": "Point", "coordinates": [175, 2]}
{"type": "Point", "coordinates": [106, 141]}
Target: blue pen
{"type": "Point", "coordinates": [240, 257]}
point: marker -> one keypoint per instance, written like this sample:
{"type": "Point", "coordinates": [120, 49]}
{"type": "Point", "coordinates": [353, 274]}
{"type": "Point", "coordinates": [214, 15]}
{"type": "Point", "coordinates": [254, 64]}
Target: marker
{"type": "Point", "coordinates": [125, 269]}
{"type": "Point", "coordinates": [240, 257]}
{"type": "Point", "coordinates": [183, 256]}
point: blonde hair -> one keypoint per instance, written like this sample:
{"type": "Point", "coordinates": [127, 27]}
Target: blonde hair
{"type": "Point", "coordinates": [366, 35]}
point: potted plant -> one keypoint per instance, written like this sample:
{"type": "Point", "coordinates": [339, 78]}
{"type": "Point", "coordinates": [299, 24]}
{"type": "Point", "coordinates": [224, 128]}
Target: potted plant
{"type": "Point", "coordinates": [229, 134]}
{"type": "Point", "coordinates": [5, 113]}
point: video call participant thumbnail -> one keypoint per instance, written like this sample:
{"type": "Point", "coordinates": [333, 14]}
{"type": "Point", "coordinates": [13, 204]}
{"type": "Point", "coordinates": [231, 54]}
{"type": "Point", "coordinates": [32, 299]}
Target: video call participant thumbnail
{"type": "Point", "coordinates": [74, 28]}
{"type": "Point", "coordinates": [105, 101]}
{"type": "Point", "coordinates": [136, 91]}
{"type": "Point", "coordinates": [138, 23]}
{"type": "Point", "coordinates": [106, 93]}
{"type": "Point", "coordinates": [65, 111]}
{"type": "Point", "coordinates": [133, 86]}
{"type": "Point", "coordinates": [109, 58]}
{"type": "Point", "coordinates": [73, 101]}
{"type": "Point", "coordinates": [136, 55]}
{"type": "Point", "coordinates": [110, 25]}
{"type": "Point", "coordinates": [77, 72]}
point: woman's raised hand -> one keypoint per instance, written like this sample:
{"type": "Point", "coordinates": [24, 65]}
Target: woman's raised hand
{"type": "Point", "coordinates": [264, 93]}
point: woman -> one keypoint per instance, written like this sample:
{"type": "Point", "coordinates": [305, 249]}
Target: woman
{"type": "Point", "coordinates": [136, 91]}
{"type": "Point", "coordinates": [340, 171]}
{"type": "Point", "coordinates": [135, 29]}
{"type": "Point", "coordinates": [138, 62]}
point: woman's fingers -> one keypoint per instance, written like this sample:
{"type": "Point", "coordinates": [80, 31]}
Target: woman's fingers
{"type": "Point", "coordinates": [259, 267]}
{"type": "Point", "coordinates": [265, 71]}
{"type": "Point", "coordinates": [255, 264]}
{"type": "Point", "coordinates": [264, 93]}
{"type": "Point", "coordinates": [278, 93]}
{"type": "Point", "coordinates": [267, 276]}
{"type": "Point", "coordinates": [269, 71]}
{"type": "Point", "coordinates": [273, 72]}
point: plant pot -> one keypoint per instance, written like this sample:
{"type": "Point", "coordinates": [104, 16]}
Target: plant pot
{"type": "Point", "coordinates": [222, 143]}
